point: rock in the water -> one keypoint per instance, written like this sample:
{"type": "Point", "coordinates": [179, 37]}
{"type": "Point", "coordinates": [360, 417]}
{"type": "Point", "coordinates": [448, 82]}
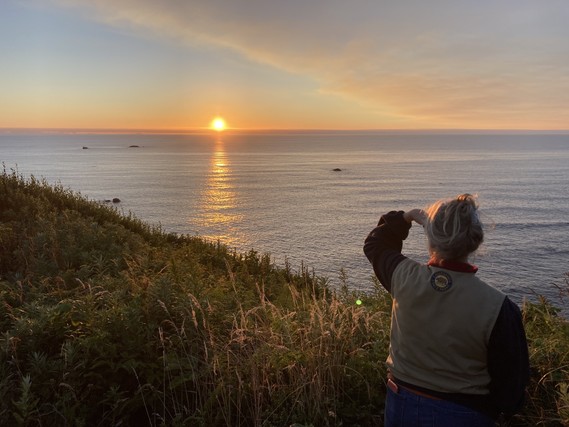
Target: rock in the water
{"type": "Point", "coordinates": [133, 146]}
{"type": "Point", "coordinates": [337, 170]}
{"type": "Point", "coordinates": [85, 148]}
{"type": "Point", "coordinates": [116, 200]}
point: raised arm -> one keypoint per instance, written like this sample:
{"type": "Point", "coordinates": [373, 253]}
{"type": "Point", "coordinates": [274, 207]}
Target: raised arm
{"type": "Point", "coordinates": [417, 215]}
{"type": "Point", "coordinates": [383, 245]}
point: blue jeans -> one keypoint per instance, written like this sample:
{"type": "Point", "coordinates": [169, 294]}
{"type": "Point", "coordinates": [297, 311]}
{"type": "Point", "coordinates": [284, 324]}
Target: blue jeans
{"type": "Point", "coordinates": [405, 409]}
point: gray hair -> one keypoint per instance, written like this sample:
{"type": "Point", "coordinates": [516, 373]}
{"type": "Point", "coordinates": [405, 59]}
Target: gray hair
{"type": "Point", "coordinates": [453, 228]}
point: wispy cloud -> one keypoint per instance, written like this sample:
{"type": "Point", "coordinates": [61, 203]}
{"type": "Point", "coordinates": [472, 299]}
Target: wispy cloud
{"type": "Point", "coordinates": [436, 64]}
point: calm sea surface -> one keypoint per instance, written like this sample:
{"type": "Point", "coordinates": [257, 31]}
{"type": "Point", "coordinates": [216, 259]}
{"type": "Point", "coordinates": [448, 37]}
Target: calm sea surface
{"type": "Point", "coordinates": [279, 193]}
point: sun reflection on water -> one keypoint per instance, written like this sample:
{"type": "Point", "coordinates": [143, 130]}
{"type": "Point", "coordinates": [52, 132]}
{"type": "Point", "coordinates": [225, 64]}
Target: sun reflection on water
{"type": "Point", "coordinates": [217, 216]}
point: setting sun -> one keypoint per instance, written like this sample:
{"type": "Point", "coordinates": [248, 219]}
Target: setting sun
{"type": "Point", "coordinates": [218, 124]}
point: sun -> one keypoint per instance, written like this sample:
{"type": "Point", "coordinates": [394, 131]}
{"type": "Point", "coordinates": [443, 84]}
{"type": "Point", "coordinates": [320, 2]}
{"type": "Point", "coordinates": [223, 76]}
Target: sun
{"type": "Point", "coordinates": [218, 124]}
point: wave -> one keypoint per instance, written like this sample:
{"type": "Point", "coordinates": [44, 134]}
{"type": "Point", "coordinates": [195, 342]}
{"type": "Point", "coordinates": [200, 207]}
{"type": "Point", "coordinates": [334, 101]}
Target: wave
{"type": "Point", "coordinates": [531, 225]}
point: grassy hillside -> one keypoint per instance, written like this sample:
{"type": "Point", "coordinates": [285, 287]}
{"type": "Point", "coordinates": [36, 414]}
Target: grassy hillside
{"type": "Point", "coordinates": [105, 320]}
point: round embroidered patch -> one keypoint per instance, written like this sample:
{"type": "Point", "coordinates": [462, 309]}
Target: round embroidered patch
{"type": "Point", "coordinates": [441, 281]}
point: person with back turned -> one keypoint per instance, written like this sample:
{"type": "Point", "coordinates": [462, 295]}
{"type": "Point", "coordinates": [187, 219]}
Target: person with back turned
{"type": "Point", "coordinates": [458, 354]}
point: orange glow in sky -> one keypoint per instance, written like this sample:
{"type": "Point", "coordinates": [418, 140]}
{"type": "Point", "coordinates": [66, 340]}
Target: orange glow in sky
{"type": "Point", "coordinates": [148, 65]}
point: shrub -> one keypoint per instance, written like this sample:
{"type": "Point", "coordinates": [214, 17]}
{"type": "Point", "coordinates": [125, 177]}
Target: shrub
{"type": "Point", "coordinates": [107, 321]}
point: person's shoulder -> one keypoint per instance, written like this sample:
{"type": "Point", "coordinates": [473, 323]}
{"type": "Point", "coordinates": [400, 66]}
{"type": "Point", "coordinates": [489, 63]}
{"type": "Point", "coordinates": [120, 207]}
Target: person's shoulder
{"type": "Point", "coordinates": [510, 308]}
{"type": "Point", "coordinates": [489, 289]}
{"type": "Point", "coordinates": [409, 270]}
{"type": "Point", "coordinates": [409, 264]}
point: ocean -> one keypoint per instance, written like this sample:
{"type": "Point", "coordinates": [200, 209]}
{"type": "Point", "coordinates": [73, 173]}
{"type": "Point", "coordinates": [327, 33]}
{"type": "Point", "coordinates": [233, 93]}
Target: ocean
{"type": "Point", "coordinates": [311, 198]}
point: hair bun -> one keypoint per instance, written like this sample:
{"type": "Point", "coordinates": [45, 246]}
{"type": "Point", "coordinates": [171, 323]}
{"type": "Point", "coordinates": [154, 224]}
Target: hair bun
{"type": "Point", "coordinates": [466, 197]}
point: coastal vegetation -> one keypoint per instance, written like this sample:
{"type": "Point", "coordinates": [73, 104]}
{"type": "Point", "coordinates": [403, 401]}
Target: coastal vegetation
{"type": "Point", "coordinates": [108, 321]}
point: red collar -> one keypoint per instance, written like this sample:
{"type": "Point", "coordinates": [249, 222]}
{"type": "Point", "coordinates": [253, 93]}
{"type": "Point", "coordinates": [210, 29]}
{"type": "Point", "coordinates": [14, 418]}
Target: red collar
{"type": "Point", "coordinates": [461, 267]}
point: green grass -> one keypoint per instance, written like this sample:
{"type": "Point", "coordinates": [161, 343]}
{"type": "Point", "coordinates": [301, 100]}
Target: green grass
{"type": "Point", "coordinates": [105, 320]}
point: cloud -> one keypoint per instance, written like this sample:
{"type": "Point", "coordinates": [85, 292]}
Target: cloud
{"type": "Point", "coordinates": [442, 63]}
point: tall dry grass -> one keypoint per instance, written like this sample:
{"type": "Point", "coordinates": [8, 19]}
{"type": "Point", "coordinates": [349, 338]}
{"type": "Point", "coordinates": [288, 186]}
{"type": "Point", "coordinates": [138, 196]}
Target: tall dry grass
{"type": "Point", "coordinates": [107, 321]}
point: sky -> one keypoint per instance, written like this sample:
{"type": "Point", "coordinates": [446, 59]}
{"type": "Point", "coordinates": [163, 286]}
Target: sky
{"type": "Point", "coordinates": [295, 64]}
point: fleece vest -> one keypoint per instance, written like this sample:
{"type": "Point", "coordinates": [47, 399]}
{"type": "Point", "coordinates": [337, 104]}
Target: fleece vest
{"type": "Point", "coordinates": [440, 327]}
